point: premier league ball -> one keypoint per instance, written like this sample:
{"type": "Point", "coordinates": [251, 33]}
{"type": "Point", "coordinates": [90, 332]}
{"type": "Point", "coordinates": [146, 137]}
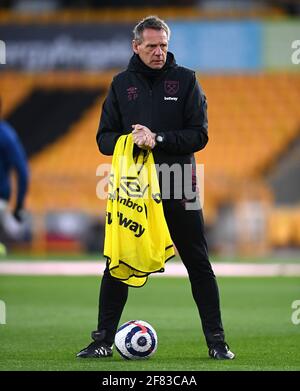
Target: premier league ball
{"type": "Point", "coordinates": [136, 340]}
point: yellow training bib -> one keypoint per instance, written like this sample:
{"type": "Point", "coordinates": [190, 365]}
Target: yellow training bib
{"type": "Point", "coordinates": [137, 239]}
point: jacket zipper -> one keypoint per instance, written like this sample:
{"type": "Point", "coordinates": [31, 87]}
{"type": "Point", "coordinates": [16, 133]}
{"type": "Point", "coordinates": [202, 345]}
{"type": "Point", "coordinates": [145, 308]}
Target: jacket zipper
{"type": "Point", "coordinates": [151, 105]}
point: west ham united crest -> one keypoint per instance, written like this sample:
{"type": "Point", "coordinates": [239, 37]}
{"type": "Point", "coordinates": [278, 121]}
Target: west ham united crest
{"type": "Point", "coordinates": [171, 87]}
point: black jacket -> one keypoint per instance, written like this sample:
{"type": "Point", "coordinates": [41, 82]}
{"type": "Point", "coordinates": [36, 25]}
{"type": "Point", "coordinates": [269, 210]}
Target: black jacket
{"type": "Point", "coordinates": [168, 101]}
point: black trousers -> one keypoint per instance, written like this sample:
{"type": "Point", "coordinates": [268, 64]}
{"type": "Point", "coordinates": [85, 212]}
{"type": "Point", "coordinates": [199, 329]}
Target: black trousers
{"type": "Point", "coordinates": [187, 232]}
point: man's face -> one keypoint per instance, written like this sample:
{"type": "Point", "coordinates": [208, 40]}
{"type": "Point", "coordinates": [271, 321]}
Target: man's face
{"type": "Point", "coordinates": [153, 49]}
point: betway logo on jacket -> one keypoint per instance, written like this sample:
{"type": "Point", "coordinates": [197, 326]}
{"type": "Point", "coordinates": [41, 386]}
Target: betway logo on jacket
{"type": "Point", "coordinates": [171, 98]}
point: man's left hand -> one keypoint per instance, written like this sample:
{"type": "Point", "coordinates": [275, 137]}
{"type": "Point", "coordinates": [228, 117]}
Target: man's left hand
{"type": "Point", "coordinates": [143, 137]}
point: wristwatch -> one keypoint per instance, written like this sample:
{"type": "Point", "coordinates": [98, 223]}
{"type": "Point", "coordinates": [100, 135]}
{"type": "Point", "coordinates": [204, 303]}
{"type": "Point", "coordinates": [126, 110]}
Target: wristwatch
{"type": "Point", "coordinates": [159, 138]}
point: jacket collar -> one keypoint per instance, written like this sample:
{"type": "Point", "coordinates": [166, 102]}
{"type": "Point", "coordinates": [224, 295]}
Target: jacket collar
{"type": "Point", "coordinates": [137, 65]}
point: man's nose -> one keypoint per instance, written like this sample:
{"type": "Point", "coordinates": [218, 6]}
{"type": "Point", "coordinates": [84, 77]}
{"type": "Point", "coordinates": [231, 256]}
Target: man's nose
{"type": "Point", "coordinates": [158, 51]}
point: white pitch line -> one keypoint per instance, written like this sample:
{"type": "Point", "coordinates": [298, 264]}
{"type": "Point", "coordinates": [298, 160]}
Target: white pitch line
{"type": "Point", "coordinates": [88, 268]}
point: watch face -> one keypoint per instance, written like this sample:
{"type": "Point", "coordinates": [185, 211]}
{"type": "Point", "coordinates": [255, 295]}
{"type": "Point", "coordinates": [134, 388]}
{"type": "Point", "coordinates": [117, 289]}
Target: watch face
{"type": "Point", "coordinates": [159, 139]}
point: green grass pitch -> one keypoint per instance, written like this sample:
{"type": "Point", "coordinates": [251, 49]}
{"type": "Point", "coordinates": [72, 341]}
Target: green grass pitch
{"type": "Point", "coordinates": [49, 319]}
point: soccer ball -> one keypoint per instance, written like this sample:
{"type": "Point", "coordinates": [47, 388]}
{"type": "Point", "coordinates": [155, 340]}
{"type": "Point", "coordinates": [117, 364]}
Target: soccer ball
{"type": "Point", "coordinates": [136, 340]}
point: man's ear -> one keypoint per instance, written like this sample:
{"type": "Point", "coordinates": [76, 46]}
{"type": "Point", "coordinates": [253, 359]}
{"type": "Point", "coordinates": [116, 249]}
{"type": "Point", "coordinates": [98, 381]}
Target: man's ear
{"type": "Point", "coordinates": [135, 47]}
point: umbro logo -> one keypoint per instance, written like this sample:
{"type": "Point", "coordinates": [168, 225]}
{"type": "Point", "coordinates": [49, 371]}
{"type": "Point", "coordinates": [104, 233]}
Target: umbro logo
{"type": "Point", "coordinates": [132, 93]}
{"type": "Point", "coordinates": [171, 98]}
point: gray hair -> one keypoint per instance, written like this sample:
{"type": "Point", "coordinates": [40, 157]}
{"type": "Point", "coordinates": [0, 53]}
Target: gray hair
{"type": "Point", "coordinates": [150, 22]}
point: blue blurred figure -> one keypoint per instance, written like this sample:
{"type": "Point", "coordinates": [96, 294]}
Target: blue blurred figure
{"type": "Point", "coordinates": [12, 158]}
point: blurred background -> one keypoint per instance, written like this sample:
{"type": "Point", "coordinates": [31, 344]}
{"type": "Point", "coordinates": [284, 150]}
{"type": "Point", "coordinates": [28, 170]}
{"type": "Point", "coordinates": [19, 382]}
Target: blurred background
{"type": "Point", "coordinates": [61, 56]}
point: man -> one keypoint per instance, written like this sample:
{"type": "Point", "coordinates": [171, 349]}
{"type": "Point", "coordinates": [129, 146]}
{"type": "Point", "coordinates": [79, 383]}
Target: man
{"type": "Point", "coordinates": [12, 158]}
{"type": "Point", "coordinates": [164, 107]}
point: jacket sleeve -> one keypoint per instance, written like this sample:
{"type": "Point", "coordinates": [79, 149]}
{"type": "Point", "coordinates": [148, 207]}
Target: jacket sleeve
{"type": "Point", "coordinates": [110, 126]}
{"type": "Point", "coordinates": [194, 136]}
{"type": "Point", "coordinates": [17, 159]}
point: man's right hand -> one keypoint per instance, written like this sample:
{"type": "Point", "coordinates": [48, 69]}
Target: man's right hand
{"type": "Point", "coordinates": [143, 137]}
